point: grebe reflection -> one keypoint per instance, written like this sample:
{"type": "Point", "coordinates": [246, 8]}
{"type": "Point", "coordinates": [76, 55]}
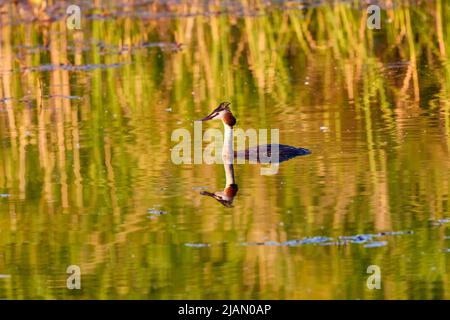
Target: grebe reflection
{"type": "Point", "coordinates": [226, 196]}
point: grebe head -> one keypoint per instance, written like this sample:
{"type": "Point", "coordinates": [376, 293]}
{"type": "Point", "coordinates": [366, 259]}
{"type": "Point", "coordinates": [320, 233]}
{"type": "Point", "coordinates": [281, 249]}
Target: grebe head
{"type": "Point", "coordinates": [222, 112]}
{"type": "Point", "coordinates": [224, 197]}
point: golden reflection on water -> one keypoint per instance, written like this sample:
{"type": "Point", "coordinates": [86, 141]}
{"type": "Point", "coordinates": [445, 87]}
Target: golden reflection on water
{"type": "Point", "coordinates": [85, 124]}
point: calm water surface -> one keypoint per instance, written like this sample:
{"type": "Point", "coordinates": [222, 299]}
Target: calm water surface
{"type": "Point", "coordinates": [86, 176]}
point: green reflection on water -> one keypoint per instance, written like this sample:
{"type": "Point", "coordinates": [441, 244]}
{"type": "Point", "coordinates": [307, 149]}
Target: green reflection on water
{"type": "Point", "coordinates": [86, 119]}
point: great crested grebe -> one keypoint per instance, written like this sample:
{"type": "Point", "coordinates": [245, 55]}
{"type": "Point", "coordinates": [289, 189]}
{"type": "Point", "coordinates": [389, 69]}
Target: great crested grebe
{"type": "Point", "coordinates": [260, 153]}
{"type": "Point", "coordinates": [285, 152]}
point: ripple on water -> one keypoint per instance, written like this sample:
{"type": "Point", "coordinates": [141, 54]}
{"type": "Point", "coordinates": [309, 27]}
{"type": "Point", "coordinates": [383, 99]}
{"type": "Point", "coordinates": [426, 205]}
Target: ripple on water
{"type": "Point", "coordinates": [375, 244]}
{"type": "Point", "coordinates": [197, 245]}
{"type": "Point", "coordinates": [156, 212]}
{"type": "Point", "coordinates": [69, 67]}
{"type": "Point", "coordinates": [366, 239]}
{"type": "Point", "coordinates": [440, 222]}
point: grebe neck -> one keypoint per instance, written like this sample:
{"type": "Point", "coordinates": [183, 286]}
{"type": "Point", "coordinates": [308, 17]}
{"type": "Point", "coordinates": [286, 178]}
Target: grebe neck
{"type": "Point", "coordinates": [228, 151]}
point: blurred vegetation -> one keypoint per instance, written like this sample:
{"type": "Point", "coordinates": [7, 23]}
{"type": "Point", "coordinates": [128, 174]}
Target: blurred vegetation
{"type": "Point", "coordinates": [85, 123]}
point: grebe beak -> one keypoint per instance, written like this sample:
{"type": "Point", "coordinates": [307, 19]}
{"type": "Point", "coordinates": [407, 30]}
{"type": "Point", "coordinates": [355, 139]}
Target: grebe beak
{"type": "Point", "coordinates": [226, 202]}
{"type": "Point", "coordinates": [210, 116]}
{"type": "Point", "coordinates": [222, 107]}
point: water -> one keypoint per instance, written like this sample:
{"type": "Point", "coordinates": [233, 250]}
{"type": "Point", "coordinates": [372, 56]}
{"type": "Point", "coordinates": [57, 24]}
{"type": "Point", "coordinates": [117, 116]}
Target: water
{"type": "Point", "coordinates": [86, 176]}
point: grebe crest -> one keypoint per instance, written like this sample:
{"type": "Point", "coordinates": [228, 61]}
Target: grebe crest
{"type": "Point", "coordinates": [222, 112]}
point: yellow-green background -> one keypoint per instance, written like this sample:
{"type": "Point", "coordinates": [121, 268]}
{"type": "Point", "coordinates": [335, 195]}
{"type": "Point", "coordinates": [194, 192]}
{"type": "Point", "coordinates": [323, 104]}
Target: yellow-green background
{"type": "Point", "coordinates": [85, 149]}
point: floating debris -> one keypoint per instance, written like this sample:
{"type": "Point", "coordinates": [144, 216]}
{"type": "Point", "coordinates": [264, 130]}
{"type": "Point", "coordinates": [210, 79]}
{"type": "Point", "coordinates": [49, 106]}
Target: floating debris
{"type": "Point", "coordinates": [197, 245]}
{"type": "Point", "coordinates": [252, 244]}
{"type": "Point", "coordinates": [440, 222]}
{"type": "Point", "coordinates": [64, 97]}
{"type": "Point", "coordinates": [272, 243]}
{"type": "Point", "coordinates": [70, 67]}
{"type": "Point", "coordinates": [366, 239]}
{"type": "Point", "coordinates": [156, 212]}
{"type": "Point", "coordinates": [290, 243]}
{"type": "Point", "coordinates": [375, 244]}
{"type": "Point", "coordinates": [4, 195]}
{"type": "Point", "coordinates": [308, 240]}
{"type": "Point", "coordinates": [359, 238]}
{"type": "Point", "coordinates": [5, 276]}
{"type": "Point", "coordinates": [324, 129]}
{"type": "Point", "coordinates": [171, 46]}
{"type": "Point", "coordinates": [394, 233]}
